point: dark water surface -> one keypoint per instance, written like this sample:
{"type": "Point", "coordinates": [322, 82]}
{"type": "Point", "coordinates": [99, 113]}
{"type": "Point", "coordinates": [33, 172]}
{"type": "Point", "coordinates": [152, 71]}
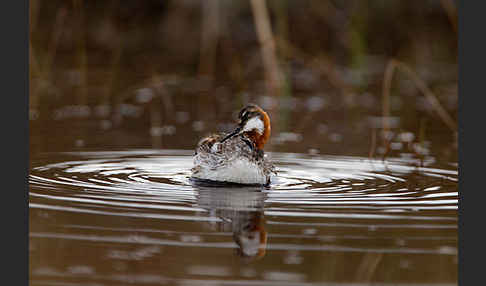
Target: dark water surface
{"type": "Point", "coordinates": [132, 217]}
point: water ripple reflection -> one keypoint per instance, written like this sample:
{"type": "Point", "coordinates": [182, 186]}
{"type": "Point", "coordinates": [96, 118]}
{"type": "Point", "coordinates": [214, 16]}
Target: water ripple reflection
{"type": "Point", "coordinates": [106, 203]}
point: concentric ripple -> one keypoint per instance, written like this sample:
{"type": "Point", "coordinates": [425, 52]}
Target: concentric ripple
{"type": "Point", "coordinates": [104, 201]}
{"type": "Point", "coordinates": [138, 179]}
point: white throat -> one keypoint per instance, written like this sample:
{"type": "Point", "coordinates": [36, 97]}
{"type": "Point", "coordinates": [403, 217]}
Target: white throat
{"type": "Point", "coordinates": [254, 124]}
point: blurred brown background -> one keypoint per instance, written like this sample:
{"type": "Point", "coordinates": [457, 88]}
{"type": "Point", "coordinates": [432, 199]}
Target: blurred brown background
{"type": "Point", "coordinates": [161, 74]}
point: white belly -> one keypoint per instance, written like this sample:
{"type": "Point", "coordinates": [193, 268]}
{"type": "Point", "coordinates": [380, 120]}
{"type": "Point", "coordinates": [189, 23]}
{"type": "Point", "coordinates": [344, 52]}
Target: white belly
{"type": "Point", "coordinates": [240, 171]}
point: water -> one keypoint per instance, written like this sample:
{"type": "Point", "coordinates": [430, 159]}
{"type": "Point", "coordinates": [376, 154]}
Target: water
{"type": "Point", "coordinates": [134, 217]}
{"type": "Point", "coordinates": [115, 92]}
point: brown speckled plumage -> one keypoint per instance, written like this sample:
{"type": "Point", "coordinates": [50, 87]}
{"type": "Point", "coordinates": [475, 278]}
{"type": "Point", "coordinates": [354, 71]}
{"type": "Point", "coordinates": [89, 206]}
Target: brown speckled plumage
{"type": "Point", "coordinates": [215, 152]}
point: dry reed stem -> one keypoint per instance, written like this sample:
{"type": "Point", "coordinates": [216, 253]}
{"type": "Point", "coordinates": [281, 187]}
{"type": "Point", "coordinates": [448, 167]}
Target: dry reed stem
{"type": "Point", "coordinates": [273, 74]}
{"type": "Point", "coordinates": [34, 70]}
{"type": "Point", "coordinates": [451, 12]}
{"type": "Point", "coordinates": [116, 55]}
{"type": "Point", "coordinates": [54, 42]}
{"type": "Point", "coordinates": [33, 64]}
{"type": "Point", "coordinates": [159, 87]}
{"type": "Point", "coordinates": [209, 36]}
{"type": "Point", "coordinates": [155, 123]}
{"type": "Point", "coordinates": [34, 7]}
{"type": "Point", "coordinates": [394, 64]}
{"type": "Point", "coordinates": [281, 20]}
{"type": "Point", "coordinates": [387, 80]}
{"type": "Point", "coordinates": [371, 153]}
{"type": "Point", "coordinates": [81, 46]}
{"type": "Point", "coordinates": [267, 44]}
{"type": "Point", "coordinates": [115, 63]}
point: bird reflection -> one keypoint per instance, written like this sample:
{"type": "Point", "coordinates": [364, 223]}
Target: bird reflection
{"type": "Point", "coordinates": [241, 212]}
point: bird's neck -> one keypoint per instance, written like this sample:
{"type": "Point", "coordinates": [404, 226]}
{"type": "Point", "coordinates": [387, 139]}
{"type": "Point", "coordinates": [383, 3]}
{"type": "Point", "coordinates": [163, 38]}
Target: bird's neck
{"type": "Point", "coordinates": [259, 139]}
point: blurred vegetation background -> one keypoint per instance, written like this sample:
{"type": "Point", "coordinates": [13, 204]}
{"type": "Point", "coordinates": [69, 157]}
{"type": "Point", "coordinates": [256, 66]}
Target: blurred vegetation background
{"type": "Point", "coordinates": [368, 78]}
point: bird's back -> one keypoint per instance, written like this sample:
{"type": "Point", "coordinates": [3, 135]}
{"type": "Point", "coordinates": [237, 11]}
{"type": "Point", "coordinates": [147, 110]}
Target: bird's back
{"type": "Point", "coordinates": [235, 160]}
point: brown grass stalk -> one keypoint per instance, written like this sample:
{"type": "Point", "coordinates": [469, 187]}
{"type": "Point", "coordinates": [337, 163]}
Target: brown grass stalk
{"type": "Point", "coordinates": [387, 81]}
{"type": "Point", "coordinates": [82, 53]}
{"type": "Point", "coordinates": [116, 55]}
{"type": "Point", "coordinates": [267, 44]}
{"type": "Point", "coordinates": [371, 153]}
{"type": "Point", "coordinates": [209, 36]}
{"type": "Point", "coordinates": [34, 69]}
{"type": "Point", "coordinates": [451, 12]}
{"type": "Point", "coordinates": [394, 64]}
{"type": "Point", "coordinates": [54, 42]}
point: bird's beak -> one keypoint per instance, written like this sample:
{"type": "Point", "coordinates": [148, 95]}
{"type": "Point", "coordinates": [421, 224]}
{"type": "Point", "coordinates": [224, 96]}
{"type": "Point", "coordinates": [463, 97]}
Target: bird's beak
{"type": "Point", "coordinates": [232, 134]}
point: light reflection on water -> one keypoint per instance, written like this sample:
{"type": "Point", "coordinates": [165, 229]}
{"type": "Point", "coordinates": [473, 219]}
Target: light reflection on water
{"type": "Point", "coordinates": [135, 215]}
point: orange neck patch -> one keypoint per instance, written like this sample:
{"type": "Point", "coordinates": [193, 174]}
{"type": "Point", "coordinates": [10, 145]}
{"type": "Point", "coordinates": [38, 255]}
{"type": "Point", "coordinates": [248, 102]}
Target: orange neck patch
{"type": "Point", "coordinates": [262, 139]}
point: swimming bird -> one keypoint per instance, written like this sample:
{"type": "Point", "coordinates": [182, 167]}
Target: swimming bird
{"type": "Point", "coordinates": [237, 157]}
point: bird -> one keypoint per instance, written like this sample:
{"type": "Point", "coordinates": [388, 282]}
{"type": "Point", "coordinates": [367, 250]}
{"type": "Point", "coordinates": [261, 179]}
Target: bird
{"type": "Point", "coordinates": [236, 157]}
